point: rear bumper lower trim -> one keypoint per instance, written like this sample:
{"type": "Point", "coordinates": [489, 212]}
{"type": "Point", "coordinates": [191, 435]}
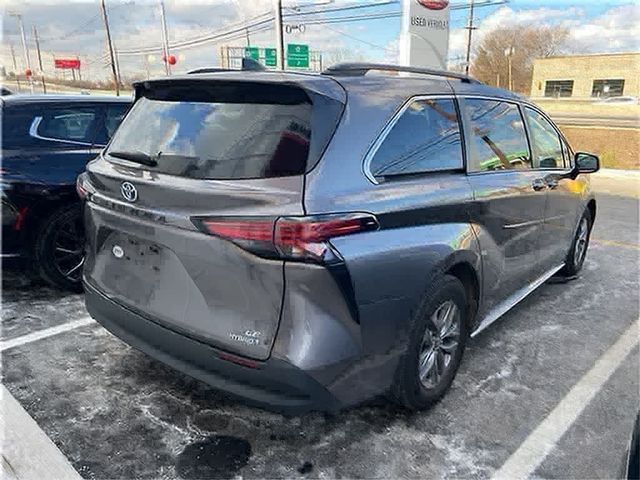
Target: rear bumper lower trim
{"type": "Point", "coordinates": [275, 384]}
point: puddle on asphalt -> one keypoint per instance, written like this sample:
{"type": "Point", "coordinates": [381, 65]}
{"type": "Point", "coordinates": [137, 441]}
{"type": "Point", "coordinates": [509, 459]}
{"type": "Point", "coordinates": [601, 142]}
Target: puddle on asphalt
{"type": "Point", "coordinates": [218, 456]}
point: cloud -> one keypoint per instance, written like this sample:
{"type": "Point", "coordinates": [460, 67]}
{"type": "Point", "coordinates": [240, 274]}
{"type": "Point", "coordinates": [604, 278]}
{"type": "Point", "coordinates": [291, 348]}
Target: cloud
{"type": "Point", "coordinates": [614, 30]}
{"type": "Point", "coordinates": [72, 27]}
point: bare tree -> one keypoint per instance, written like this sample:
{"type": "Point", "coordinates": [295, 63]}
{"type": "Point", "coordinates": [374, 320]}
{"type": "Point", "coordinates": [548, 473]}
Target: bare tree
{"type": "Point", "coordinates": [342, 54]}
{"type": "Point", "coordinates": [491, 66]}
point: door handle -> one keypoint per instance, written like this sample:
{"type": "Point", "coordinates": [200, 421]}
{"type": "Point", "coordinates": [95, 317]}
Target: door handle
{"type": "Point", "coordinates": [539, 184]}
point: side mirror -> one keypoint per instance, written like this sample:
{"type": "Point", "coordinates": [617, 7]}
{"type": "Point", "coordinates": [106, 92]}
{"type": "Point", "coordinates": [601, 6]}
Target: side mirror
{"type": "Point", "coordinates": [587, 162]}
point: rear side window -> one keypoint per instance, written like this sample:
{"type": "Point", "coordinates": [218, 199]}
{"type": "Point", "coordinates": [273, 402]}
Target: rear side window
{"type": "Point", "coordinates": [236, 131]}
{"type": "Point", "coordinates": [74, 124]}
{"type": "Point", "coordinates": [16, 121]}
{"type": "Point", "coordinates": [497, 138]}
{"type": "Point", "coordinates": [425, 138]}
{"type": "Point", "coordinates": [113, 115]}
{"type": "Point", "coordinates": [545, 141]}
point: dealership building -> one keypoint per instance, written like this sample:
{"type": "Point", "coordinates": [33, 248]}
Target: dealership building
{"type": "Point", "coordinates": [584, 77]}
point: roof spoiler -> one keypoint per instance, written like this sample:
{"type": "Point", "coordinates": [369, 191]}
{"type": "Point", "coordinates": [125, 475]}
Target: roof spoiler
{"type": "Point", "coordinates": [360, 69]}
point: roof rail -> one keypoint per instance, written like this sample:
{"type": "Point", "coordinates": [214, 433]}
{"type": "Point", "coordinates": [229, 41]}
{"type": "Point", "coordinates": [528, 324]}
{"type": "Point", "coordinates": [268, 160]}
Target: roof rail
{"type": "Point", "coordinates": [359, 69]}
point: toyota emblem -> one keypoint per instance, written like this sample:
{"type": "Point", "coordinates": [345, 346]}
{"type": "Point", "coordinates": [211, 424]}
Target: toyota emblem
{"type": "Point", "coordinates": [434, 4]}
{"type": "Point", "coordinates": [129, 191]}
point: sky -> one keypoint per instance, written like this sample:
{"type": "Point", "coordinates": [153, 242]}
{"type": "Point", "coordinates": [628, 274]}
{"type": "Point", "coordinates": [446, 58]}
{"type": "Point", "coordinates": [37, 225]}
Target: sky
{"type": "Point", "coordinates": [74, 28]}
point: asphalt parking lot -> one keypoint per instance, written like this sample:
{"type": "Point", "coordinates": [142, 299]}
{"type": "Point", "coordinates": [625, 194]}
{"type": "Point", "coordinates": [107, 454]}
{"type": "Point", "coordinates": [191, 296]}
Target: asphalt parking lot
{"type": "Point", "coordinates": [115, 413]}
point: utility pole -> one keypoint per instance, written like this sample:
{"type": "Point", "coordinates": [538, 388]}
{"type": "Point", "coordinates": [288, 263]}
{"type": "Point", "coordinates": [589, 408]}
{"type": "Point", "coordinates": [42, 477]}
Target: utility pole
{"type": "Point", "coordinates": [113, 62]}
{"type": "Point", "coordinates": [35, 36]}
{"type": "Point", "coordinates": [248, 38]}
{"type": "Point", "coordinates": [279, 34]}
{"type": "Point", "coordinates": [25, 50]}
{"type": "Point", "coordinates": [470, 29]}
{"type": "Point", "coordinates": [118, 73]}
{"type": "Point", "coordinates": [165, 41]}
{"type": "Point", "coordinates": [15, 65]}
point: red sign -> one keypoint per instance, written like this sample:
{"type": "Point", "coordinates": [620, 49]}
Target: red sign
{"type": "Point", "coordinates": [434, 4]}
{"type": "Point", "coordinates": [72, 63]}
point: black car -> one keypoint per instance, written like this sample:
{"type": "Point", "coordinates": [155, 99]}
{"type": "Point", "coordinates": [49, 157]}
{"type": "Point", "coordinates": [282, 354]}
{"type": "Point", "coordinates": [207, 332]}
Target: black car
{"type": "Point", "coordinates": [46, 142]}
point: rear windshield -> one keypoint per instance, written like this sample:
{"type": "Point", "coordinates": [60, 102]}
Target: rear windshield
{"type": "Point", "coordinates": [230, 132]}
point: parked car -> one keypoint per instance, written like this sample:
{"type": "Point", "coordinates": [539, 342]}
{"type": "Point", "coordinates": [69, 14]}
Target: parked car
{"type": "Point", "coordinates": [46, 142]}
{"type": "Point", "coordinates": [621, 99]}
{"type": "Point", "coordinates": [312, 241]}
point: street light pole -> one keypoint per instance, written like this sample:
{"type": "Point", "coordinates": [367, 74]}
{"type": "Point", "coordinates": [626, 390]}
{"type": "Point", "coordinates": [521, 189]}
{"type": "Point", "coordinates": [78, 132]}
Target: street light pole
{"type": "Point", "coordinates": [110, 45]}
{"type": "Point", "coordinates": [508, 52]}
{"type": "Point", "coordinates": [279, 34]}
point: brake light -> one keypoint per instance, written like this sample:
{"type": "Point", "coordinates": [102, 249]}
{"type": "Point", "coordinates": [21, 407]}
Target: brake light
{"type": "Point", "coordinates": [20, 218]}
{"type": "Point", "coordinates": [293, 238]}
{"type": "Point", "coordinates": [82, 186]}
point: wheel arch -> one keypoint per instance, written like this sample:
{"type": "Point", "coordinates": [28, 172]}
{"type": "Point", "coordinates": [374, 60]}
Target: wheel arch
{"type": "Point", "coordinates": [591, 206]}
{"type": "Point", "coordinates": [464, 271]}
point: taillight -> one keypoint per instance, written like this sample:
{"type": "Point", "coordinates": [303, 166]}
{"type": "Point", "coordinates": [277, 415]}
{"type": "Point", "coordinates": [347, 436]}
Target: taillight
{"type": "Point", "coordinates": [293, 238]}
{"type": "Point", "coordinates": [82, 186]}
{"type": "Point", "coordinates": [20, 218]}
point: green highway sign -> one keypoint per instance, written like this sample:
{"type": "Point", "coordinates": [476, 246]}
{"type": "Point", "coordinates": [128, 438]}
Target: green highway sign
{"type": "Point", "coordinates": [270, 57]}
{"type": "Point", "coordinates": [252, 52]}
{"type": "Point", "coordinates": [297, 55]}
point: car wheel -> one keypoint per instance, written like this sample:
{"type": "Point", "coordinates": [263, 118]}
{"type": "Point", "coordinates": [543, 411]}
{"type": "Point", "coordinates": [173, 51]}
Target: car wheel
{"type": "Point", "coordinates": [437, 341]}
{"type": "Point", "coordinates": [578, 252]}
{"type": "Point", "coordinates": [59, 249]}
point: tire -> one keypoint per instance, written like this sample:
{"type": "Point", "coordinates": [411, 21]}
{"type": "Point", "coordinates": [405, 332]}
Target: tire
{"type": "Point", "coordinates": [578, 251]}
{"type": "Point", "coordinates": [413, 389]}
{"type": "Point", "coordinates": [59, 249]}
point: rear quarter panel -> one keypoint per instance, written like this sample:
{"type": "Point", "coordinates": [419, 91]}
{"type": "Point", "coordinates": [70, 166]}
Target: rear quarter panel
{"type": "Point", "coordinates": [424, 220]}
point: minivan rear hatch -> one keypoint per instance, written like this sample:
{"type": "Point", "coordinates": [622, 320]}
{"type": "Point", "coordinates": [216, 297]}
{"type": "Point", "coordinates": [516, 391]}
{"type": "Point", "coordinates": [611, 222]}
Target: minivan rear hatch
{"type": "Point", "coordinates": [197, 147]}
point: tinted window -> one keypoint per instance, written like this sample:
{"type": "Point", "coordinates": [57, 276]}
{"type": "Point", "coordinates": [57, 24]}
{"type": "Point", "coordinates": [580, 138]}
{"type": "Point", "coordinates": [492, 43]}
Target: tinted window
{"type": "Point", "coordinates": [75, 124]}
{"type": "Point", "coordinates": [607, 88]}
{"type": "Point", "coordinates": [425, 138]}
{"type": "Point", "coordinates": [218, 139]}
{"type": "Point", "coordinates": [497, 138]}
{"type": "Point", "coordinates": [545, 141]}
{"type": "Point", "coordinates": [558, 88]}
{"type": "Point", "coordinates": [16, 121]}
{"type": "Point", "coordinates": [112, 117]}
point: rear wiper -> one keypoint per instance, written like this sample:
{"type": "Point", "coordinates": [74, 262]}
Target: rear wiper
{"type": "Point", "coordinates": [138, 157]}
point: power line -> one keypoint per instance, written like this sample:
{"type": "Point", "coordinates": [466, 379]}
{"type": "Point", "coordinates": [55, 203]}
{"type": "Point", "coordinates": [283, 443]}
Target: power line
{"type": "Point", "coordinates": [259, 21]}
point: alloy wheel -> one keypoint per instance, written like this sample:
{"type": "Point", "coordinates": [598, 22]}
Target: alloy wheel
{"type": "Point", "coordinates": [68, 249]}
{"type": "Point", "coordinates": [582, 237]}
{"type": "Point", "coordinates": [439, 344]}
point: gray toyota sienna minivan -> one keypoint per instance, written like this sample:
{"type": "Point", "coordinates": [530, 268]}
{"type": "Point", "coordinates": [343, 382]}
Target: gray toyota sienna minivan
{"type": "Point", "coordinates": [309, 241]}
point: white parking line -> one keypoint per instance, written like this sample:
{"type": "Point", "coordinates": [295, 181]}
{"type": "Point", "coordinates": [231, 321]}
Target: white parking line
{"type": "Point", "coordinates": [523, 462]}
{"type": "Point", "coordinates": [27, 452]}
{"type": "Point", "coordinates": [47, 332]}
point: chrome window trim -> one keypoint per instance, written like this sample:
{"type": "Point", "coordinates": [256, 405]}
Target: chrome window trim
{"type": "Point", "coordinates": [33, 132]}
{"type": "Point", "coordinates": [558, 131]}
{"type": "Point", "coordinates": [366, 165]}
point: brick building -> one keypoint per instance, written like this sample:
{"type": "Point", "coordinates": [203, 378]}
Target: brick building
{"type": "Point", "coordinates": [587, 76]}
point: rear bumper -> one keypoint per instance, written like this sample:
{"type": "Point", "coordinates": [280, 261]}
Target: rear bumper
{"type": "Point", "coordinates": [275, 384]}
